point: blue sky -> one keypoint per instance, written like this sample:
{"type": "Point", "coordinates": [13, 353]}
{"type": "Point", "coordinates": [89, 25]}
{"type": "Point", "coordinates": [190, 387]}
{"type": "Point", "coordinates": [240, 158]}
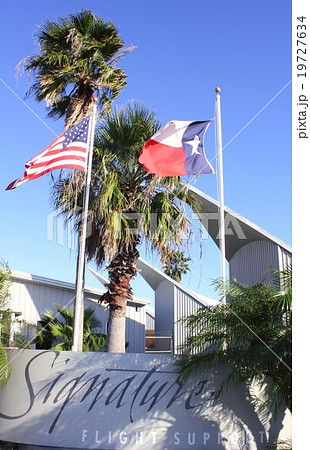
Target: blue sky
{"type": "Point", "coordinates": [184, 50]}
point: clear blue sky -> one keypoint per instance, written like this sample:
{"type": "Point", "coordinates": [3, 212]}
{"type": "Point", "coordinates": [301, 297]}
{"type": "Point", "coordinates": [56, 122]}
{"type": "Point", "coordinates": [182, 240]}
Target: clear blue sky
{"type": "Point", "coordinates": [184, 50]}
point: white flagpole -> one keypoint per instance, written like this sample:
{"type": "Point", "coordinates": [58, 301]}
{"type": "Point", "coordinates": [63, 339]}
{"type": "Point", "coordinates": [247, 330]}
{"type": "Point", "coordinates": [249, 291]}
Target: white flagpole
{"type": "Point", "coordinates": [221, 189]}
{"type": "Point", "coordinates": [77, 342]}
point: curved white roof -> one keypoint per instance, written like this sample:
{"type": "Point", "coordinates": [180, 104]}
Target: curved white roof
{"type": "Point", "coordinates": [239, 230]}
{"type": "Point", "coordinates": [154, 277]}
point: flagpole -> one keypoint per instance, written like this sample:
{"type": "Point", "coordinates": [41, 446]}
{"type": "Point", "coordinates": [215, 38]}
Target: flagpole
{"type": "Point", "coordinates": [77, 342]}
{"type": "Point", "coordinates": [221, 216]}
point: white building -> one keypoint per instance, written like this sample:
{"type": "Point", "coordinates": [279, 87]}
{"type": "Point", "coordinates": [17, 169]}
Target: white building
{"type": "Point", "coordinates": [173, 302]}
{"type": "Point", "coordinates": [250, 252]}
{"type": "Point", "coordinates": [31, 295]}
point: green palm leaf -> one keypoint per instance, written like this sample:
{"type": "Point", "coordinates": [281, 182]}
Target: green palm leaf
{"type": "Point", "coordinates": [5, 366]}
{"type": "Point", "coordinates": [127, 206]}
{"type": "Point", "coordinates": [76, 60]}
{"type": "Point", "coordinates": [56, 330]}
{"type": "Point", "coordinates": [251, 335]}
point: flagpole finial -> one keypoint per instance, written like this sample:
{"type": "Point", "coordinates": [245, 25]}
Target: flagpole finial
{"type": "Point", "coordinates": [217, 90]}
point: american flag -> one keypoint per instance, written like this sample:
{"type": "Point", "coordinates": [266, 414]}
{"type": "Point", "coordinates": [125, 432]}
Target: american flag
{"type": "Point", "coordinates": [68, 150]}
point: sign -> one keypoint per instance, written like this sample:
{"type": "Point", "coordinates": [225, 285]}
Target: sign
{"type": "Point", "coordinates": [122, 401]}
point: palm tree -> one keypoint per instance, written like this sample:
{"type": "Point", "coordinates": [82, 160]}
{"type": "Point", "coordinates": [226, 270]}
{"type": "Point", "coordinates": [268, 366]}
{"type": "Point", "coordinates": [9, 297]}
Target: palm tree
{"type": "Point", "coordinates": [127, 205]}
{"type": "Point", "coordinates": [55, 331]}
{"type": "Point", "coordinates": [77, 59]}
{"type": "Point", "coordinates": [5, 366]}
{"type": "Point", "coordinates": [176, 265]}
{"type": "Point", "coordinates": [5, 281]}
{"type": "Point", "coordinates": [252, 334]}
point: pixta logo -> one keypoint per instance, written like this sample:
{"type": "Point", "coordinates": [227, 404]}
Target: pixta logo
{"type": "Point", "coordinates": [61, 229]}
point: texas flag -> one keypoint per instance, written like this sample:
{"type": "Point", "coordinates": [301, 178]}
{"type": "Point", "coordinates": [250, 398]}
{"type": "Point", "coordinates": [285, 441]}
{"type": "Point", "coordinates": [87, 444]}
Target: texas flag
{"type": "Point", "coordinates": [176, 149]}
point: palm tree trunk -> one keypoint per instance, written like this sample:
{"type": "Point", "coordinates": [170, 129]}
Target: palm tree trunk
{"type": "Point", "coordinates": [80, 105]}
{"type": "Point", "coordinates": [79, 108]}
{"type": "Point", "coordinates": [121, 270]}
{"type": "Point", "coordinates": [116, 330]}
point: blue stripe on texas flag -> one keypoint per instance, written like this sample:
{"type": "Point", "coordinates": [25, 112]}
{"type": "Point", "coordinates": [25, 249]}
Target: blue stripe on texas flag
{"type": "Point", "coordinates": [192, 142]}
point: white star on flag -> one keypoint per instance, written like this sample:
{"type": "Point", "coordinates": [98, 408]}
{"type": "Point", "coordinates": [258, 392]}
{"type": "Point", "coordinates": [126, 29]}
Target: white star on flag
{"type": "Point", "coordinates": [194, 143]}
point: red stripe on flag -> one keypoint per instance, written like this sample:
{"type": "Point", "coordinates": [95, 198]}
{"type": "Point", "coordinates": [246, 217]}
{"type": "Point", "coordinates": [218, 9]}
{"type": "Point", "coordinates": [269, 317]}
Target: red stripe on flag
{"type": "Point", "coordinates": [59, 159]}
{"type": "Point", "coordinates": [58, 151]}
{"type": "Point", "coordinates": [60, 166]}
{"type": "Point", "coordinates": [162, 160]}
{"type": "Point", "coordinates": [55, 157]}
{"type": "Point", "coordinates": [14, 184]}
{"type": "Point", "coordinates": [11, 185]}
{"type": "Point", "coordinates": [56, 142]}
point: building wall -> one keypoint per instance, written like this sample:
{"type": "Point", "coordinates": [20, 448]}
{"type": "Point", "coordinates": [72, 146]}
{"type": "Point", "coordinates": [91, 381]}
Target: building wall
{"type": "Point", "coordinates": [150, 321]}
{"type": "Point", "coordinates": [251, 263]}
{"type": "Point", "coordinates": [172, 304]}
{"type": "Point", "coordinates": [135, 329]}
{"type": "Point", "coordinates": [184, 306]}
{"type": "Point", "coordinates": [164, 307]}
{"type": "Point", "coordinates": [164, 317]}
{"type": "Point", "coordinates": [32, 298]}
{"type": "Point", "coordinates": [285, 258]}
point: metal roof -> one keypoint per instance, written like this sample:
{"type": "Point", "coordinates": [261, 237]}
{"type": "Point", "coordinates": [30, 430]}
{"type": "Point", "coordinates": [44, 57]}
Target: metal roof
{"type": "Point", "coordinates": [239, 230]}
{"type": "Point", "coordinates": [103, 281]}
{"type": "Point", "coordinates": [89, 290]}
{"type": "Point", "coordinates": [24, 276]}
{"type": "Point", "coordinates": [154, 277]}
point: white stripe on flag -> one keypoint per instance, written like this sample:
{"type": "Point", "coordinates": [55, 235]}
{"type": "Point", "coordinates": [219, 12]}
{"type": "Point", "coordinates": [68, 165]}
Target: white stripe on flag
{"type": "Point", "coordinates": [78, 155]}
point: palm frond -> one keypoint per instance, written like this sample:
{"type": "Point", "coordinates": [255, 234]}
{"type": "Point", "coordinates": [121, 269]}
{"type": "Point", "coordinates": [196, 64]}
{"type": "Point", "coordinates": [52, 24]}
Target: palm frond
{"type": "Point", "coordinates": [5, 366]}
{"type": "Point", "coordinates": [125, 201]}
{"type": "Point", "coordinates": [76, 58]}
{"type": "Point", "coordinates": [56, 331]}
{"type": "Point", "coordinates": [250, 336]}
